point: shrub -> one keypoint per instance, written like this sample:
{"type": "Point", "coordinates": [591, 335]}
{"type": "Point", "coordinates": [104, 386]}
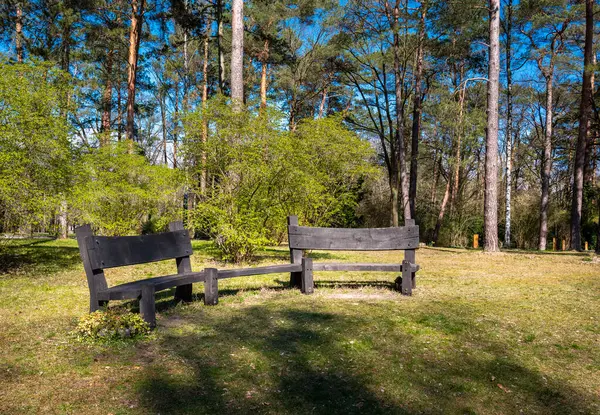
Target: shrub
{"type": "Point", "coordinates": [111, 324]}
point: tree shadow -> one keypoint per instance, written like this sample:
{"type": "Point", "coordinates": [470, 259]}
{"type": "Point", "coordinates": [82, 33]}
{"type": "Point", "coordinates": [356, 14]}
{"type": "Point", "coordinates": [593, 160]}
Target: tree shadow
{"type": "Point", "coordinates": [291, 359]}
{"type": "Point", "coordinates": [36, 259]}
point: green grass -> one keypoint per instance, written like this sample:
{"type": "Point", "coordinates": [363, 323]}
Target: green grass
{"type": "Point", "coordinates": [510, 333]}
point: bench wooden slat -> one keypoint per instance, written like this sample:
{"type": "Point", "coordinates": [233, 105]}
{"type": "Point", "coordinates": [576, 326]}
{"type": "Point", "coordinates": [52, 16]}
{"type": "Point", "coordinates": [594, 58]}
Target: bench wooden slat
{"type": "Point", "coordinates": [109, 252]}
{"type": "Point", "coordinates": [134, 289]}
{"type": "Point", "coordinates": [271, 269]}
{"type": "Point", "coordinates": [373, 239]}
{"type": "Point", "coordinates": [360, 267]}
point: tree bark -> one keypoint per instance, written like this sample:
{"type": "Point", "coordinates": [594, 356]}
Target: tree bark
{"type": "Point", "coordinates": [135, 31]}
{"type": "Point", "coordinates": [509, 130]}
{"type": "Point", "coordinates": [401, 153]}
{"type": "Point", "coordinates": [107, 101]}
{"type": "Point", "coordinates": [204, 121]}
{"type": "Point", "coordinates": [221, 68]}
{"type": "Point", "coordinates": [237, 55]}
{"type": "Point", "coordinates": [440, 219]}
{"type": "Point", "coordinates": [323, 102]}
{"type": "Point", "coordinates": [263, 56]}
{"type": "Point", "coordinates": [416, 118]}
{"type": "Point", "coordinates": [585, 106]}
{"type": "Point", "coordinates": [491, 155]}
{"type": "Point", "coordinates": [547, 159]}
{"type": "Point", "coordinates": [19, 32]}
{"type": "Point", "coordinates": [63, 226]}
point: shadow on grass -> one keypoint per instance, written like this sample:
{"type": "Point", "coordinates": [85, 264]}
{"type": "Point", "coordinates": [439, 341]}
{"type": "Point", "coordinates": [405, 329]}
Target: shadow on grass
{"type": "Point", "coordinates": [283, 358]}
{"type": "Point", "coordinates": [37, 259]}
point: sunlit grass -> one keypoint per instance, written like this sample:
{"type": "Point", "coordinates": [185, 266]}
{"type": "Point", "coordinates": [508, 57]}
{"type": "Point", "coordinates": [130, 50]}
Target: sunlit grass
{"type": "Point", "coordinates": [495, 334]}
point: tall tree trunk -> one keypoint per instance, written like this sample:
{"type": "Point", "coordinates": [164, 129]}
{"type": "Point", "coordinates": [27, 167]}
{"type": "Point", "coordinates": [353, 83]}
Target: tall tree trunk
{"type": "Point", "coordinates": [107, 101]}
{"type": "Point", "coordinates": [264, 55]}
{"type": "Point", "coordinates": [547, 161]}
{"type": "Point", "coordinates": [237, 54]}
{"type": "Point", "coordinates": [416, 117]}
{"type": "Point", "coordinates": [490, 213]}
{"type": "Point", "coordinates": [221, 70]}
{"type": "Point", "coordinates": [585, 106]}
{"type": "Point", "coordinates": [590, 166]}
{"type": "Point", "coordinates": [204, 121]}
{"type": "Point", "coordinates": [19, 32]}
{"type": "Point", "coordinates": [63, 225]}
{"type": "Point", "coordinates": [440, 219]}
{"type": "Point", "coordinates": [175, 125]}
{"type": "Point", "coordinates": [163, 117]}
{"type": "Point", "coordinates": [455, 185]}
{"type": "Point", "coordinates": [119, 119]}
{"type": "Point", "coordinates": [135, 31]}
{"type": "Point", "coordinates": [509, 132]}
{"type": "Point", "coordinates": [401, 153]}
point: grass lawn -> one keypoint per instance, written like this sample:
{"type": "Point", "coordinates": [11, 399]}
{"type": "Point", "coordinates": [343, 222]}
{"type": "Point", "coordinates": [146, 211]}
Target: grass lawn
{"type": "Point", "coordinates": [516, 332]}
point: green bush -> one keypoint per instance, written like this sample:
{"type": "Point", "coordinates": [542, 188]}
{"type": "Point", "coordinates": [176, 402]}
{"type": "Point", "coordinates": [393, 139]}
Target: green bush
{"type": "Point", "coordinates": [111, 324]}
{"type": "Point", "coordinates": [259, 173]}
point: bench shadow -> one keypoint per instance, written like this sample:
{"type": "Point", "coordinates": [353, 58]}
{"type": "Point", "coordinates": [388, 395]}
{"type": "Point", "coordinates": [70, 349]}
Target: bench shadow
{"type": "Point", "coordinates": [244, 362]}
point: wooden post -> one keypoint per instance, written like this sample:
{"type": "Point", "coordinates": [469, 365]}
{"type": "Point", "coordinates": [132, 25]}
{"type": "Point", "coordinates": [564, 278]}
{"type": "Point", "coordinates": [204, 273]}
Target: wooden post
{"type": "Point", "coordinates": [95, 277]}
{"type": "Point", "coordinates": [308, 286]}
{"type": "Point", "coordinates": [554, 244]}
{"type": "Point", "coordinates": [211, 286]}
{"type": "Point", "coordinates": [184, 265]}
{"type": "Point", "coordinates": [147, 306]}
{"type": "Point", "coordinates": [564, 245]}
{"type": "Point", "coordinates": [586, 246]}
{"type": "Point", "coordinates": [295, 257]}
{"type": "Point", "coordinates": [475, 241]}
{"type": "Point", "coordinates": [410, 256]}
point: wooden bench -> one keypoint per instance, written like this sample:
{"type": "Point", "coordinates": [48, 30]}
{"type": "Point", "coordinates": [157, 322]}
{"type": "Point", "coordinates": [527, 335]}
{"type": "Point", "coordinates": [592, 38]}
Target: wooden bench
{"type": "Point", "coordinates": [301, 268]}
{"type": "Point", "coordinates": [101, 252]}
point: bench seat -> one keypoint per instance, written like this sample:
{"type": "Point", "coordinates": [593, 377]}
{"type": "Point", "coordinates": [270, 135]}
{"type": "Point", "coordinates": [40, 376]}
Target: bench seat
{"type": "Point", "coordinates": [270, 269]}
{"type": "Point", "coordinates": [132, 290]}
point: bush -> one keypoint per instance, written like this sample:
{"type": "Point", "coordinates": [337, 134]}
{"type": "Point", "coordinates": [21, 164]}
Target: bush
{"type": "Point", "coordinates": [111, 325]}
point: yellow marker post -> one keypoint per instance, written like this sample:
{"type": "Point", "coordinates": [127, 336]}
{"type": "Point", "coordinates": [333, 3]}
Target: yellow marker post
{"type": "Point", "coordinates": [475, 241]}
{"type": "Point", "coordinates": [554, 244]}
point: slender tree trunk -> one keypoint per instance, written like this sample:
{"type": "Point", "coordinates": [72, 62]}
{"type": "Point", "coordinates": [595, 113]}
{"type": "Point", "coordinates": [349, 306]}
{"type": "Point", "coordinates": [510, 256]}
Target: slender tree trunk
{"type": "Point", "coordinates": [440, 219]}
{"type": "Point", "coordinates": [135, 31]}
{"type": "Point", "coordinates": [547, 161]}
{"type": "Point", "coordinates": [589, 171]}
{"type": "Point", "coordinates": [63, 231]}
{"type": "Point", "coordinates": [416, 117]}
{"type": "Point", "coordinates": [119, 119]}
{"type": "Point", "coordinates": [221, 70]}
{"type": "Point", "coordinates": [107, 101]}
{"type": "Point", "coordinates": [204, 121]}
{"type": "Point", "coordinates": [458, 155]}
{"type": "Point", "coordinates": [163, 118]}
{"type": "Point", "coordinates": [394, 200]}
{"type": "Point", "coordinates": [586, 96]}
{"type": "Point", "coordinates": [264, 55]}
{"type": "Point", "coordinates": [323, 102]}
{"type": "Point", "coordinates": [237, 54]}
{"type": "Point", "coordinates": [509, 132]}
{"type": "Point", "coordinates": [19, 32]}
{"type": "Point", "coordinates": [491, 155]}
{"type": "Point", "coordinates": [401, 155]}
{"type": "Point", "coordinates": [175, 125]}
{"type": "Point", "coordinates": [436, 176]}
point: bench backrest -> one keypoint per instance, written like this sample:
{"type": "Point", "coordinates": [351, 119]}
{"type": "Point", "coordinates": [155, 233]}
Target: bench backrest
{"type": "Point", "coordinates": [366, 239]}
{"type": "Point", "coordinates": [102, 252]}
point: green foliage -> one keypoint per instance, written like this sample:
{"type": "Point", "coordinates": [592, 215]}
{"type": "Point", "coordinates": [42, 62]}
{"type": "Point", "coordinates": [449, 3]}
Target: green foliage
{"type": "Point", "coordinates": [110, 325]}
{"type": "Point", "coordinates": [119, 192]}
{"type": "Point", "coordinates": [260, 173]}
{"type": "Point", "coordinates": [35, 156]}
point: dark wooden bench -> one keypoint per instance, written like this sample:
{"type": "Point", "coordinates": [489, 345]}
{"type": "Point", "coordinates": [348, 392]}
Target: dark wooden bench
{"type": "Point", "coordinates": [101, 252]}
{"type": "Point", "coordinates": [302, 238]}
{"type": "Point", "coordinates": [301, 268]}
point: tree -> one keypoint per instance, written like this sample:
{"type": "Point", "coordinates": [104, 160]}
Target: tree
{"type": "Point", "coordinates": [135, 32]}
{"type": "Point", "coordinates": [237, 54]}
{"type": "Point", "coordinates": [491, 142]}
{"type": "Point", "coordinates": [584, 115]}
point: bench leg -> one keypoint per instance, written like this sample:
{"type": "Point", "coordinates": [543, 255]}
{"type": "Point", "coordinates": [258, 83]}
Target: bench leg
{"type": "Point", "coordinates": [184, 293]}
{"type": "Point", "coordinates": [407, 283]}
{"type": "Point", "coordinates": [307, 286]}
{"type": "Point", "coordinates": [147, 305]}
{"type": "Point", "coordinates": [96, 305]}
{"type": "Point", "coordinates": [211, 286]}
